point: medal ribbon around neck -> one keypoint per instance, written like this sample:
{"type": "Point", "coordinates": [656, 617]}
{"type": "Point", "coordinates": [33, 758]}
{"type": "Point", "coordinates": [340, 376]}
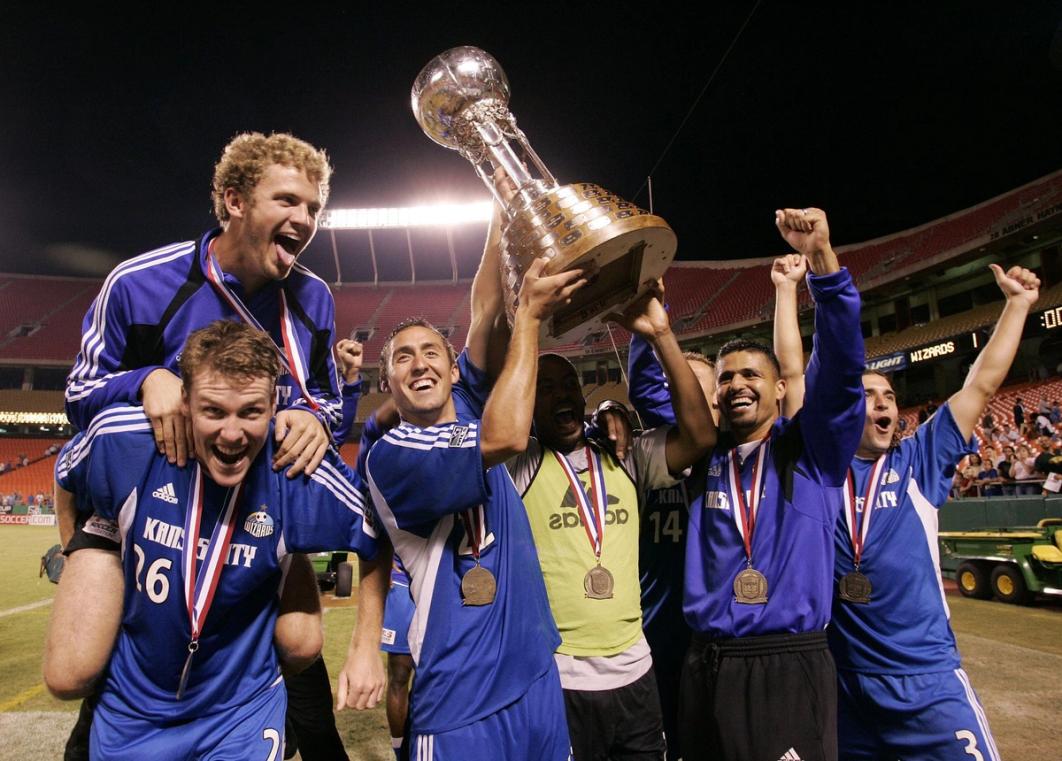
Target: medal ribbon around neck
{"type": "Point", "coordinates": [857, 529]}
{"type": "Point", "coordinates": [291, 353]}
{"type": "Point", "coordinates": [201, 582]}
{"type": "Point", "coordinates": [745, 512]}
{"type": "Point", "coordinates": [591, 511]}
{"type": "Point", "coordinates": [474, 530]}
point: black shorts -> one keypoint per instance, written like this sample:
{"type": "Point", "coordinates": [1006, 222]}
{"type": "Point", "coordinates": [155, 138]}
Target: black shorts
{"type": "Point", "coordinates": [770, 698]}
{"type": "Point", "coordinates": [621, 724]}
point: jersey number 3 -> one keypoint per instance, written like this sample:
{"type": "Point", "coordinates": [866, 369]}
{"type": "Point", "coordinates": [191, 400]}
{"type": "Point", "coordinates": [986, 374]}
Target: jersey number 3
{"type": "Point", "coordinates": [965, 735]}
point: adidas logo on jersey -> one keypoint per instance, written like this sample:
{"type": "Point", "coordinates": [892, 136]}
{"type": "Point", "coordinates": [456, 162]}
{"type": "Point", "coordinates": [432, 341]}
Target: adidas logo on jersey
{"type": "Point", "coordinates": [891, 477]}
{"type": "Point", "coordinates": [790, 755]}
{"type": "Point", "coordinates": [166, 494]}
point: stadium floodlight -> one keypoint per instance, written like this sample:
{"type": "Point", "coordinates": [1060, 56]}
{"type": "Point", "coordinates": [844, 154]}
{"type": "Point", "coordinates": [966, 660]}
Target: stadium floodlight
{"type": "Point", "coordinates": [439, 215]}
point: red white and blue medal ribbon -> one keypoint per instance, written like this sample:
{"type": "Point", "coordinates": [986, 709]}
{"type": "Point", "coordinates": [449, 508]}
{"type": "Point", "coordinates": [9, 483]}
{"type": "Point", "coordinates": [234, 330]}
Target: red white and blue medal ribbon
{"type": "Point", "coordinates": [201, 582]}
{"type": "Point", "coordinates": [291, 353]}
{"type": "Point", "coordinates": [591, 508]}
{"type": "Point", "coordinates": [746, 511]}
{"type": "Point", "coordinates": [857, 529]}
{"type": "Point", "coordinates": [474, 530]}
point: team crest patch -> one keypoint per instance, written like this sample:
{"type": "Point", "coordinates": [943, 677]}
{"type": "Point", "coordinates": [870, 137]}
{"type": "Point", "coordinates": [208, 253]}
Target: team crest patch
{"type": "Point", "coordinates": [259, 524]}
{"type": "Point", "coordinates": [387, 636]}
{"type": "Point", "coordinates": [458, 435]}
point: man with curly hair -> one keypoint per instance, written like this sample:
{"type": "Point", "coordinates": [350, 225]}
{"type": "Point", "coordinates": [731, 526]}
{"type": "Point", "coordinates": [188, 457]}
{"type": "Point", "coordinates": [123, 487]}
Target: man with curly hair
{"type": "Point", "coordinates": [267, 195]}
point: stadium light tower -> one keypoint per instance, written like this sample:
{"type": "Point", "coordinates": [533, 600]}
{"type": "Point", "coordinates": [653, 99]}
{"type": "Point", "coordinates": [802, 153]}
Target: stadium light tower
{"type": "Point", "coordinates": [404, 217]}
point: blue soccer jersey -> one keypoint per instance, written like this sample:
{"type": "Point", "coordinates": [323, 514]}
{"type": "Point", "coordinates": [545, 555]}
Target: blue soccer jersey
{"type": "Point", "coordinates": [805, 466]}
{"type": "Point", "coordinates": [149, 305]}
{"type": "Point", "coordinates": [115, 465]}
{"type": "Point", "coordinates": [471, 661]}
{"type": "Point", "coordinates": [665, 512]}
{"type": "Point", "coordinates": [904, 628]}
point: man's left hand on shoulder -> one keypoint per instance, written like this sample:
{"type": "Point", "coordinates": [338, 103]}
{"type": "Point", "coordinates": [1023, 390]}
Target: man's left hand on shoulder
{"type": "Point", "coordinates": [302, 442]}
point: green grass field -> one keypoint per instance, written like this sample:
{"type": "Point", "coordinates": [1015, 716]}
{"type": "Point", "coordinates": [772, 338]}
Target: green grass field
{"type": "Point", "coordinates": [35, 725]}
{"type": "Point", "coordinates": [1013, 655]}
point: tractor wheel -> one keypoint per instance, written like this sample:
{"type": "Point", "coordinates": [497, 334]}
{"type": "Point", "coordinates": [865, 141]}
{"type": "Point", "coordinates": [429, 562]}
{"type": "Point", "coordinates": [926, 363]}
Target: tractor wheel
{"type": "Point", "coordinates": [344, 579]}
{"type": "Point", "coordinates": [1008, 585]}
{"type": "Point", "coordinates": [973, 581]}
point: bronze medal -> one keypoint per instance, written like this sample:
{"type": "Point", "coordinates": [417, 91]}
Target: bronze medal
{"type": "Point", "coordinates": [598, 583]}
{"type": "Point", "coordinates": [854, 587]}
{"type": "Point", "coordinates": [478, 586]}
{"type": "Point", "coordinates": [750, 587]}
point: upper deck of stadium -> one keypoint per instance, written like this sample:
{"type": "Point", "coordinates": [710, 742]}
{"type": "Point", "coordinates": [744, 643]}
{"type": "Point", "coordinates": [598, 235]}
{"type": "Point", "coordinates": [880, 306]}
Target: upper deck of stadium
{"type": "Point", "coordinates": [40, 317]}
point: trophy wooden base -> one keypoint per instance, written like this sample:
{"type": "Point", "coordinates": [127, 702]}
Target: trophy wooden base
{"type": "Point", "coordinates": [583, 225]}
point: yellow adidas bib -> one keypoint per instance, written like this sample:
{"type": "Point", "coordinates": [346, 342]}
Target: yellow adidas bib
{"type": "Point", "coordinates": [587, 626]}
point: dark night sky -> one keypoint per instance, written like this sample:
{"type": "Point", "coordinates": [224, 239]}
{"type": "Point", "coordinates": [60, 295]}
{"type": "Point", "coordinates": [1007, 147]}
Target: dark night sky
{"type": "Point", "coordinates": [887, 115]}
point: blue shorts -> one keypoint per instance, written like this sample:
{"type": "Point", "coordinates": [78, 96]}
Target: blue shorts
{"type": "Point", "coordinates": [920, 717]}
{"type": "Point", "coordinates": [534, 728]}
{"type": "Point", "coordinates": [397, 616]}
{"type": "Point", "coordinates": [251, 732]}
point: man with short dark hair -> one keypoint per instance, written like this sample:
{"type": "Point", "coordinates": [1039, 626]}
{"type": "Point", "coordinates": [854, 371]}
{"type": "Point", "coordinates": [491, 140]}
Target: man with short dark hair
{"type": "Point", "coordinates": [482, 637]}
{"type": "Point", "coordinates": [171, 591]}
{"type": "Point", "coordinates": [758, 681]}
{"type": "Point", "coordinates": [903, 692]}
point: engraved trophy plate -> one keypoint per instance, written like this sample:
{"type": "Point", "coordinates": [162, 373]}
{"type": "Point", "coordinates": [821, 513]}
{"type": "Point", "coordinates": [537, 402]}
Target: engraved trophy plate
{"type": "Point", "coordinates": [478, 586]}
{"type": "Point", "coordinates": [599, 583]}
{"type": "Point", "coordinates": [460, 100]}
{"type": "Point", "coordinates": [854, 587]}
{"type": "Point", "coordinates": [750, 587]}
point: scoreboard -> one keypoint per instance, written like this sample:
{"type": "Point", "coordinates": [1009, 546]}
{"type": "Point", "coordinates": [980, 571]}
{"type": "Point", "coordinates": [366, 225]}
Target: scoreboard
{"type": "Point", "coordinates": [1040, 323]}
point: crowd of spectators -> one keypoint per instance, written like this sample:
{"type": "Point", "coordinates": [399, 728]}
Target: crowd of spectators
{"type": "Point", "coordinates": [35, 503]}
{"type": "Point", "coordinates": [1022, 456]}
{"type": "Point", "coordinates": [22, 460]}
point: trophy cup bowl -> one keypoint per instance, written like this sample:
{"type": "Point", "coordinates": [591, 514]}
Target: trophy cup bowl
{"type": "Point", "coordinates": [460, 99]}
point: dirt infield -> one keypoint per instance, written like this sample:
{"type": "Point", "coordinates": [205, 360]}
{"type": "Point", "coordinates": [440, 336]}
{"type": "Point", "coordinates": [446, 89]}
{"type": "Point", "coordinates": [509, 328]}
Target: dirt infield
{"type": "Point", "coordinates": [1013, 655]}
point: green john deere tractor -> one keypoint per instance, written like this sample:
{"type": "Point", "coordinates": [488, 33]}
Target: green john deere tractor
{"type": "Point", "coordinates": [1011, 564]}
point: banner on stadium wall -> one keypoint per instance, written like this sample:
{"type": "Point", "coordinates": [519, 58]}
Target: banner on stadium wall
{"type": "Point", "coordinates": [889, 363]}
{"type": "Point", "coordinates": [41, 520]}
{"type": "Point", "coordinates": [1012, 225]}
{"type": "Point", "coordinates": [21, 520]}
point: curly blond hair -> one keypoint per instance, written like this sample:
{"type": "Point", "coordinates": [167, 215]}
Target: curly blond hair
{"type": "Point", "coordinates": [246, 157]}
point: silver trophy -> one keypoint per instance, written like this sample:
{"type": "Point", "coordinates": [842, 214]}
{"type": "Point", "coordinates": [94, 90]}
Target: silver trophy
{"type": "Point", "coordinates": [461, 101]}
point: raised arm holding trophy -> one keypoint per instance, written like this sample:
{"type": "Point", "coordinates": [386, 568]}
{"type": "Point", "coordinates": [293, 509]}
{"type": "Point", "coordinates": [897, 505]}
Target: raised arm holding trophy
{"type": "Point", "coordinates": [461, 100]}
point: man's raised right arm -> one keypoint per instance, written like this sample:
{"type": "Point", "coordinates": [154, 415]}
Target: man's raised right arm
{"type": "Point", "coordinates": [508, 413]}
{"type": "Point", "coordinates": [834, 407]}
